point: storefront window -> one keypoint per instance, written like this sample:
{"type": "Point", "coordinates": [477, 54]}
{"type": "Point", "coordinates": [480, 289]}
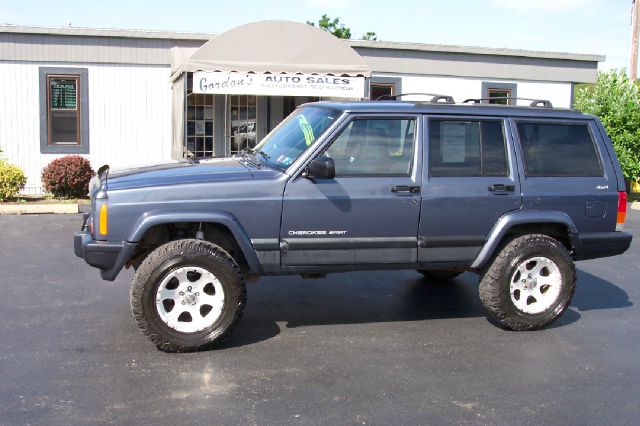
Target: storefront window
{"type": "Point", "coordinates": [243, 111]}
{"type": "Point", "coordinates": [199, 125]}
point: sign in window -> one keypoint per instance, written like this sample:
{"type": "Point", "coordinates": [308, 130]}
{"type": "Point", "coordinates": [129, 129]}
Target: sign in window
{"type": "Point", "coordinates": [63, 114]}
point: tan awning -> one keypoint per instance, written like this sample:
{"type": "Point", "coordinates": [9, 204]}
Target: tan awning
{"type": "Point", "coordinates": [277, 47]}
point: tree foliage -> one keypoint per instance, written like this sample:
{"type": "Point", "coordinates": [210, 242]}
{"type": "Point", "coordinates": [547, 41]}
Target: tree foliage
{"type": "Point", "coordinates": [339, 30]}
{"type": "Point", "coordinates": [616, 101]}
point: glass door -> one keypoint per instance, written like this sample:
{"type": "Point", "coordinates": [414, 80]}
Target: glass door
{"type": "Point", "coordinates": [242, 117]}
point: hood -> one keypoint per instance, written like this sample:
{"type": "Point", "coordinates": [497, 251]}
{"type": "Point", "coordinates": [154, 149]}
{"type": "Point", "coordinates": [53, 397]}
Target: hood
{"type": "Point", "coordinates": [178, 173]}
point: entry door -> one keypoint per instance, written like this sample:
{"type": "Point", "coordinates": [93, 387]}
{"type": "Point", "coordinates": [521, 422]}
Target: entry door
{"type": "Point", "coordinates": [470, 181]}
{"type": "Point", "coordinates": [369, 213]}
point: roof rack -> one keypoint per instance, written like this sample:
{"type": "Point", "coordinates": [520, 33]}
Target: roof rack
{"type": "Point", "coordinates": [544, 103]}
{"type": "Point", "coordinates": [435, 98]}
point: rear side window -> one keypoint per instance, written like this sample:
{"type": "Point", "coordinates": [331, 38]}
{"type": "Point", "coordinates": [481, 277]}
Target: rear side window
{"type": "Point", "coordinates": [558, 149]}
{"type": "Point", "coordinates": [467, 148]}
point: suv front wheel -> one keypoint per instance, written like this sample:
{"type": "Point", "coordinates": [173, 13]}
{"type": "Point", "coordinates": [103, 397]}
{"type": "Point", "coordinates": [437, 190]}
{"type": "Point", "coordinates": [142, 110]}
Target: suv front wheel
{"type": "Point", "coordinates": [187, 295]}
{"type": "Point", "coordinates": [529, 284]}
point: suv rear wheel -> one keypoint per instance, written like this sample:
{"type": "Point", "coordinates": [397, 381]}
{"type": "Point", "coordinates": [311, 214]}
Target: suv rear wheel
{"type": "Point", "coordinates": [529, 284]}
{"type": "Point", "coordinates": [187, 295]}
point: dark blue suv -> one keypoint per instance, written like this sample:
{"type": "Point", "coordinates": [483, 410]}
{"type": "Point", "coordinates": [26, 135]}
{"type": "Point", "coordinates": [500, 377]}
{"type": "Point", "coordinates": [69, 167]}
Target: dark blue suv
{"type": "Point", "coordinates": [516, 194]}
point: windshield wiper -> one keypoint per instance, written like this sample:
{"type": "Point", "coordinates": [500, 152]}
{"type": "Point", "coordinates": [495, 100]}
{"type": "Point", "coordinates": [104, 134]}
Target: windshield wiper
{"type": "Point", "coordinates": [264, 154]}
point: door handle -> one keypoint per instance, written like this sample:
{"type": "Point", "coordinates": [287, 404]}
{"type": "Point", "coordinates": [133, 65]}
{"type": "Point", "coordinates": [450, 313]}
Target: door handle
{"type": "Point", "coordinates": [499, 187]}
{"type": "Point", "coordinates": [406, 189]}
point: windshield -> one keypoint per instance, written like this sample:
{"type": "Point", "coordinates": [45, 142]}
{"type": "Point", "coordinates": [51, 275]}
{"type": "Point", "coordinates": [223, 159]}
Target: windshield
{"type": "Point", "coordinates": [294, 135]}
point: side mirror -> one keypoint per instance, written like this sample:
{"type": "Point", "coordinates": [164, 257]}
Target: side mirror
{"type": "Point", "coordinates": [321, 168]}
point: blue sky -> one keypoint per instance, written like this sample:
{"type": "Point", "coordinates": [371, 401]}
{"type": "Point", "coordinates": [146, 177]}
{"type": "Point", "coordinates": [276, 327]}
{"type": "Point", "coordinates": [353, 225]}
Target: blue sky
{"type": "Point", "coordinates": [580, 26]}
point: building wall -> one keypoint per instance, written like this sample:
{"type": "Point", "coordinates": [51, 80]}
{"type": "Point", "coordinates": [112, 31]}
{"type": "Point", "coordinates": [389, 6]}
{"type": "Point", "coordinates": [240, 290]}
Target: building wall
{"type": "Point", "coordinates": [129, 115]}
{"type": "Point", "coordinates": [463, 88]}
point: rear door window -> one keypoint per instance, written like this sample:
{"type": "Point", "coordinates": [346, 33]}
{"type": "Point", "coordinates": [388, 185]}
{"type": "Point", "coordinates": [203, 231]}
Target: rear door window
{"type": "Point", "coordinates": [558, 149]}
{"type": "Point", "coordinates": [467, 148]}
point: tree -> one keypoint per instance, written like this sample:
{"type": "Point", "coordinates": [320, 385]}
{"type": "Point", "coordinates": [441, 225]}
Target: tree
{"type": "Point", "coordinates": [616, 101]}
{"type": "Point", "coordinates": [339, 30]}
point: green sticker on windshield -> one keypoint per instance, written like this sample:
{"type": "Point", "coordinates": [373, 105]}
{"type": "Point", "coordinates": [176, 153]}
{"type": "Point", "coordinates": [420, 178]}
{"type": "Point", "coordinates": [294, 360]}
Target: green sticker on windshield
{"type": "Point", "coordinates": [307, 130]}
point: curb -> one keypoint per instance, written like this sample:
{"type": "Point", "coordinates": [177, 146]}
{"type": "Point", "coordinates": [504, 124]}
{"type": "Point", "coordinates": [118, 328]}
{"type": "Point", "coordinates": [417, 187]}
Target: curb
{"type": "Point", "coordinates": [19, 209]}
{"type": "Point", "coordinates": [635, 205]}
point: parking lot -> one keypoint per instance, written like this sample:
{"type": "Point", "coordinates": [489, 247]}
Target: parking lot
{"type": "Point", "coordinates": [354, 348]}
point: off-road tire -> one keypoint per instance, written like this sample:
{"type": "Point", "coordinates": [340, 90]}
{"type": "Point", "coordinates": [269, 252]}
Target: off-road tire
{"type": "Point", "coordinates": [495, 282]}
{"type": "Point", "coordinates": [159, 264]}
{"type": "Point", "coordinates": [439, 275]}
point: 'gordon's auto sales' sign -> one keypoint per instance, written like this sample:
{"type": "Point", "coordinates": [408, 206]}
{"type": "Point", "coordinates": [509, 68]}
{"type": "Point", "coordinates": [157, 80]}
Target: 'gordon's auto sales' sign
{"type": "Point", "coordinates": [278, 84]}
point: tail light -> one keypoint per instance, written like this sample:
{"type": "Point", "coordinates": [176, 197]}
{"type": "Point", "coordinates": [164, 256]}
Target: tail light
{"type": "Point", "coordinates": [622, 210]}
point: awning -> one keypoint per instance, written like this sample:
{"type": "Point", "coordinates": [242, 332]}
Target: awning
{"type": "Point", "coordinates": [277, 47]}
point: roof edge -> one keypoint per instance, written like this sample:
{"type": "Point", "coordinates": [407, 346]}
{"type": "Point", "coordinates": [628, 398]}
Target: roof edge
{"type": "Point", "coordinates": [475, 50]}
{"type": "Point", "coordinates": [373, 44]}
{"type": "Point", "coordinates": [106, 32]}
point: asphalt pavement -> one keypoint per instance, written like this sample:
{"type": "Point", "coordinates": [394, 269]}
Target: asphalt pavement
{"type": "Point", "coordinates": [388, 348]}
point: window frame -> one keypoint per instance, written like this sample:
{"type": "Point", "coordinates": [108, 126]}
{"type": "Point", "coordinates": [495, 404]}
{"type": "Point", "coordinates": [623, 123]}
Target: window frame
{"type": "Point", "coordinates": [395, 82]}
{"type": "Point", "coordinates": [588, 123]}
{"type": "Point", "coordinates": [489, 85]}
{"type": "Point", "coordinates": [334, 136]}
{"type": "Point", "coordinates": [82, 108]}
{"type": "Point", "coordinates": [505, 141]}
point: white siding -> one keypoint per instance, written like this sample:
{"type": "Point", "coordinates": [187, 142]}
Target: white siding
{"type": "Point", "coordinates": [463, 88]}
{"type": "Point", "coordinates": [129, 115]}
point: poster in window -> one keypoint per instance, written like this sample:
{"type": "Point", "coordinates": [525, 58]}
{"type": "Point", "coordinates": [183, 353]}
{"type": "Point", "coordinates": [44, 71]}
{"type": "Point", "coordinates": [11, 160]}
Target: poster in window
{"type": "Point", "coordinates": [453, 137]}
{"type": "Point", "coordinates": [200, 128]}
{"type": "Point", "coordinates": [63, 93]}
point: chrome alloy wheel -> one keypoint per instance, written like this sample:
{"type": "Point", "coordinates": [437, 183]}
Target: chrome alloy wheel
{"type": "Point", "coordinates": [535, 285]}
{"type": "Point", "coordinates": [190, 299]}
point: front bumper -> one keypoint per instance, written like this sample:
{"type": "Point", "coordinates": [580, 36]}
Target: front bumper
{"type": "Point", "coordinates": [109, 257]}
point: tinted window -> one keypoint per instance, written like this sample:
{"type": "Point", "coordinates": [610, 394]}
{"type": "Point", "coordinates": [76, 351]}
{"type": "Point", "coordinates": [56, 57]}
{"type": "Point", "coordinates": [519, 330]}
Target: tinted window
{"type": "Point", "coordinates": [466, 148]}
{"type": "Point", "coordinates": [374, 147]}
{"type": "Point", "coordinates": [558, 149]}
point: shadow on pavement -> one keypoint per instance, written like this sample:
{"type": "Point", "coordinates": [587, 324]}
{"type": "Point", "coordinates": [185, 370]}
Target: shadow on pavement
{"type": "Point", "coordinates": [386, 297]}
{"type": "Point", "coordinates": [360, 299]}
{"type": "Point", "coordinates": [593, 292]}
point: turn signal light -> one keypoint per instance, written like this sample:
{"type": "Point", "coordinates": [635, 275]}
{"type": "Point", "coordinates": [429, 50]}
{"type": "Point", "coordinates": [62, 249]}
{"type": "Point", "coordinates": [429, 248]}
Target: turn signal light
{"type": "Point", "coordinates": [622, 210]}
{"type": "Point", "coordinates": [103, 219]}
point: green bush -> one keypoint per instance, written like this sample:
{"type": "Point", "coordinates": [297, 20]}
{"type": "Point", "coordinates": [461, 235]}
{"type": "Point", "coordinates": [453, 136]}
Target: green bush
{"type": "Point", "coordinates": [616, 101]}
{"type": "Point", "coordinates": [12, 180]}
{"type": "Point", "coordinates": [68, 176]}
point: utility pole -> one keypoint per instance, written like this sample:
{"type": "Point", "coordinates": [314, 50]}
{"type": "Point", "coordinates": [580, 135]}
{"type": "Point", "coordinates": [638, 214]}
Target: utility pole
{"type": "Point", "coordinates": [635, 26]}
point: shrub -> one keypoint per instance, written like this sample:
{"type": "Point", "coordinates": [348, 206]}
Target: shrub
{"type": "Point", "coordinates": [12, 180]}
{"type": "Point", "coordinates": [67, 176]}
{"type": "Point", "coordinates": [616, 101]}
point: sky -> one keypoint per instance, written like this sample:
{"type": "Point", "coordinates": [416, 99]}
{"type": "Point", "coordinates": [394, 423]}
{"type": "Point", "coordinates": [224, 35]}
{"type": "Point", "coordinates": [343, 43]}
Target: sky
{"type": "Point", "coordinates": [579, 26]}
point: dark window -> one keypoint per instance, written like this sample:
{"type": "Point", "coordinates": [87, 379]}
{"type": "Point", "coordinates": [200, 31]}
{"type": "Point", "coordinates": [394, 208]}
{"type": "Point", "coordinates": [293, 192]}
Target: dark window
{"type": "Point", "coordinates": [499, 96]}
{"type": "Point", "coordinates": [380, 146]}
{"type": "Point", "coordinates": [382, 91]}
{"type": "Point", "coordinates": [64, 110]}
{"type": "Point", "coordinates": [558, 149]}
{"type": "Point", "coordinates": [466, 148]}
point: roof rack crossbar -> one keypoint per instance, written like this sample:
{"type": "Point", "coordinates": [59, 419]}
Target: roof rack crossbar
{"type": "Point", "coordinates": [435, 97]}
{"type": "Point", "coordinates": [544, 103]}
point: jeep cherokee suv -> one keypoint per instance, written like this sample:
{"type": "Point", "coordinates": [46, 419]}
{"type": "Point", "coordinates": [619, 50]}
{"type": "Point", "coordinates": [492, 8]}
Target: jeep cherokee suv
{"type": "Point", "coordinates": [515, 194]}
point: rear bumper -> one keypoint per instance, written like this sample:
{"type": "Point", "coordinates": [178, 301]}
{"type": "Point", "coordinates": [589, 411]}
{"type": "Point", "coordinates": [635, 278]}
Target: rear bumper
{"type": "Point", "coordinates": [602, 244]}
{"type": "Point", "coordinates": [109, 257]}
